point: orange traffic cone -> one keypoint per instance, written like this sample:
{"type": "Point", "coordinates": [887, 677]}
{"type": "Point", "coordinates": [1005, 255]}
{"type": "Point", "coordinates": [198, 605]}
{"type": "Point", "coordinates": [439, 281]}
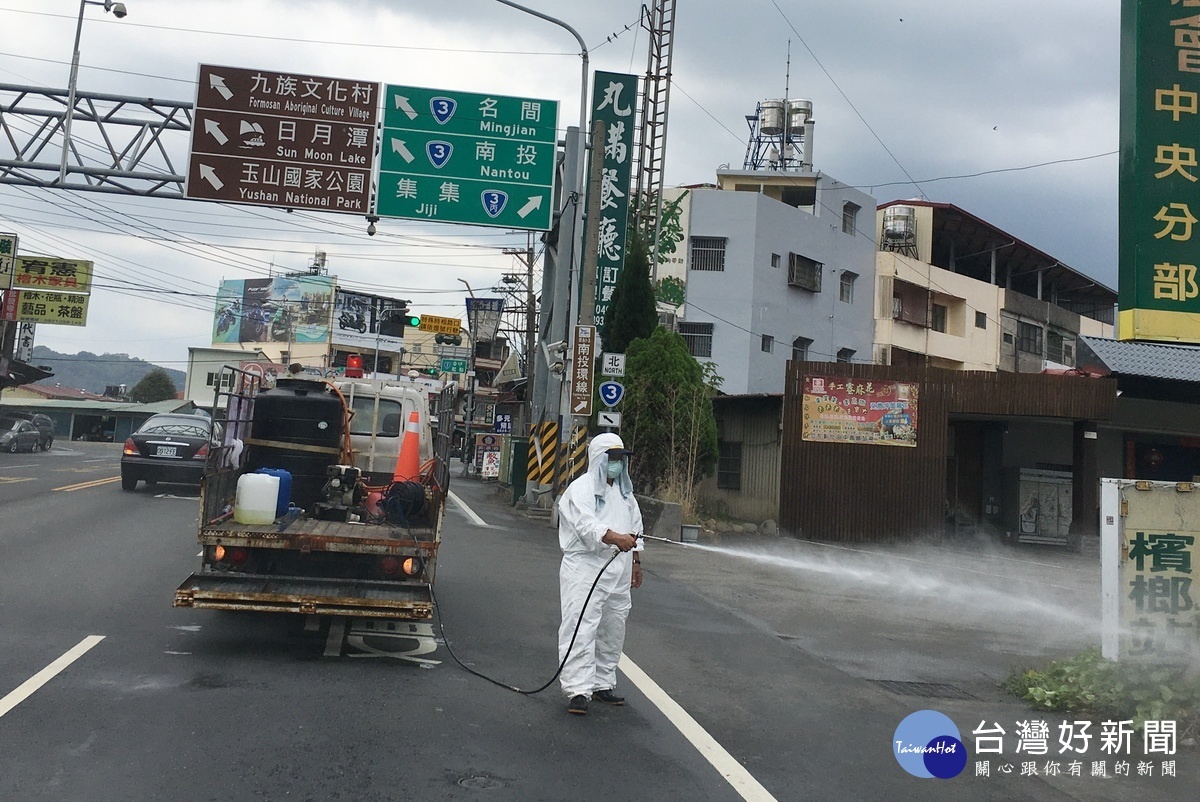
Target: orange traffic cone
{"type": "Point", "coordinates": [408, 461]}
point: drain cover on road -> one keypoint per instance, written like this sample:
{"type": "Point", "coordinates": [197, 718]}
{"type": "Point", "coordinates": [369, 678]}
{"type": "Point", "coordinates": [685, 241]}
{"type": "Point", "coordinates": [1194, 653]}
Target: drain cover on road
{"type": "Point", "coordinates": [926, 690]}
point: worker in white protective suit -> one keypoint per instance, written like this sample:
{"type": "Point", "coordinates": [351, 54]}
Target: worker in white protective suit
{"type": "Point", "coordinates": [598, 517]}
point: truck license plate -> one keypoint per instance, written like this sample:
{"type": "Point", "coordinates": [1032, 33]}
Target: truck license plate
{"type": "Point", "coordinates": [166, 451]}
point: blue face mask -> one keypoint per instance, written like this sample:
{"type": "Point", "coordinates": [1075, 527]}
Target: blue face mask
{"type": "Point", "coordinates": [616, 468]}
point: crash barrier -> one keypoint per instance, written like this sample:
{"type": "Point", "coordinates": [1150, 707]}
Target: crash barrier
{"type": "Point", "coordinates": [575, 459]}
{"type": "Point", "coordinates": [543, 450]}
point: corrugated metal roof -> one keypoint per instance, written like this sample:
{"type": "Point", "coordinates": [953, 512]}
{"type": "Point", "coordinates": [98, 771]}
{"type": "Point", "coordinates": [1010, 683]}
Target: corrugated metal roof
{"type": "Point", "coordinates": [1148, 360]}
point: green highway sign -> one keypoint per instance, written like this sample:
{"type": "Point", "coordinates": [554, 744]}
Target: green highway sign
{"type": "Point", "coordinates": [453, 365]}
{"type": "Point", "coordinates": [464, 157]}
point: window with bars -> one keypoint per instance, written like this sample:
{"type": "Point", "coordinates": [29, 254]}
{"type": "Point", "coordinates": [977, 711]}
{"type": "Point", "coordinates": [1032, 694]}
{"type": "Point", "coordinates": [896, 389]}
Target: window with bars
{"type": "Point", "coordinates": [846, 287]}
{"type": "Point", "coordinates": [699, 337]}
{"type": "Point", "coordinates": [708, 254]}
{"type": "Point", "coordinates": [800, 347]}
{"type": "Point", "coordinates": [729, 465]}
{"type": "Point", "coordinates": [1029, 338]}
{"type": "Point", "coordinates": [804, 273]}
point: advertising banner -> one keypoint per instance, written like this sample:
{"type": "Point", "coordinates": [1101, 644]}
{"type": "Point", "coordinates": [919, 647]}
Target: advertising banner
{"type": "Point", "coordinates": [483, 317]}
{"type": "Point", "coordinates": [8, 252]}
{"type": "Point", "coordinates": [55, 308]}
{"type": "Point", "coordinates": [613, 99]}
{"type": "Point", "coordinates": [51, 273]}
{"type": "Point", "coordinates": [1159, 200]}
{"type": "Point", "coordinates": [279, 309]}
{"type": "Point", "coordinates": [368, 322]}
{"type": "Point", "coordinates": [842, 410]}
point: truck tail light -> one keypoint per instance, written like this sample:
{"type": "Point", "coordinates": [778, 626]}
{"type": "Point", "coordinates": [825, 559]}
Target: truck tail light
{"type": "Point", "coordinates": [401, 566]}
{"type": "Point", "coordinates": [234, 555]}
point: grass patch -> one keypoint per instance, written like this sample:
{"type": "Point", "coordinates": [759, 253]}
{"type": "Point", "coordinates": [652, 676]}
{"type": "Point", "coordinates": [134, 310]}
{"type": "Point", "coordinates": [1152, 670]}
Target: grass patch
{"type": "Point", "coordinates": [1090, 685]}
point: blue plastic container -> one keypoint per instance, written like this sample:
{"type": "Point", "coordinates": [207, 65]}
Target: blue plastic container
{"type": "Point", "coordinates": [285, 488]}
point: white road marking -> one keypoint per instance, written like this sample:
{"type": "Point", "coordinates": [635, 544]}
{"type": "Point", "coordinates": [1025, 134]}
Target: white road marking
{"type": "Point", "coordinates": [29, 686]}
{"type": "Point", "coordinates": [734, 772]}
{"type": "Point", "coordinates": [467, 511]}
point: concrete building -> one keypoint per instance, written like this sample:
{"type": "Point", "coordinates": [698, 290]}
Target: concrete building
{"type": "Point", "coordinates": [780, 265]}
{"type": "Point", "coordinates": [956, 292]}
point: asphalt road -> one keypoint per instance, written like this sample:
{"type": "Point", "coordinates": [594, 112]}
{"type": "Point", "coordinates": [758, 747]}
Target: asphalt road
{"type": "Point", "coordinates": [755, 669]}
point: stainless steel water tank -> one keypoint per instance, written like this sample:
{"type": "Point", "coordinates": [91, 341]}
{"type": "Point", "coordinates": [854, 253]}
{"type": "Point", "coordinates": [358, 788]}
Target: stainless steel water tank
{"type": "Point", "coordinates": [770, 117]}
{"type": "Point", "coordinates": [899, 222]}
{"type": "Point", "coordinates": [800, 112]}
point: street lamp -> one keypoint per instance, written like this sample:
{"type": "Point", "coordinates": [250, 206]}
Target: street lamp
{"type": "Point", "coordinates": [118, 11]}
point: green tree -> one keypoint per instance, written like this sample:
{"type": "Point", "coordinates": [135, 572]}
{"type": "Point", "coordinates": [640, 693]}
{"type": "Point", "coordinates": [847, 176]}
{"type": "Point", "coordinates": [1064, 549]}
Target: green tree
{"type": "Point", "coordinates": [154, 386]}
{"type": "Point", "coordinates": [668, 418]}
{"type": "Point", "coordinates": [631, 314]}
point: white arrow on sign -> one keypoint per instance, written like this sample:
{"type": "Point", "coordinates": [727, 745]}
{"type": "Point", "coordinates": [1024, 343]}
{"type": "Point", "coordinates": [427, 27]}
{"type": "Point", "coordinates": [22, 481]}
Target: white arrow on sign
{"type": "Point", "coordinates": [403, 105]}
{"type": "Point", "coordinates": [535, 203]}
{"type": "Point", "coordinates": [213, 129]}
{"type": "Point", "coordinates": [218, 83]}
{"type": "Point", "coordinates": [209, 174]}
{"type": "Point", "coordinates": [610, 419]}
{"type": "Point", "coordinates": [402, 150]}
{"type": "Point", "coordinates": [581, 406]}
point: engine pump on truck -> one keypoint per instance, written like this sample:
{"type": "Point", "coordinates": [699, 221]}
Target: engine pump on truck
{"type": "Point", "coordinates": [303, 508]}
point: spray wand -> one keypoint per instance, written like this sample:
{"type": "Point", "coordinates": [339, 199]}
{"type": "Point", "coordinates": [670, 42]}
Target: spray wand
{"type": "Point", "coordinates": [664, 540]}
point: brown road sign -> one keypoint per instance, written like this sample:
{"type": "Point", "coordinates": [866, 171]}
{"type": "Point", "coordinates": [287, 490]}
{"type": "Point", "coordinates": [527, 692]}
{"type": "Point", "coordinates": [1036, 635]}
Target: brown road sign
{"type": "Point", "coordinates": [282, 139]}
{"type": "Point", "coordinates": [580, 377]}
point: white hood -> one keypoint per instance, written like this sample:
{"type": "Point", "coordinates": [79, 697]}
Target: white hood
{"type": "Point", "coordinates": [598, 464]}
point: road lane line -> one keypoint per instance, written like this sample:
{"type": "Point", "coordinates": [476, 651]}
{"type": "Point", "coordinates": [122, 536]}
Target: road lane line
{"type": "Point", "coordinates": [86, 485]}
{"type": "Point", "coordinates": [29, 686]}
{"type": "Point", "coordinates": [470, 513]}
{"type": "Point", "coordinates": [734, 772]}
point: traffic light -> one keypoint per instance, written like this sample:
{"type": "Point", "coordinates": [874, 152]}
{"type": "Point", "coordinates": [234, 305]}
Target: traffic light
{"type": "Point", "coordinates": [447, 339]}
{"type": "Point", "coordinates": [412, 320]}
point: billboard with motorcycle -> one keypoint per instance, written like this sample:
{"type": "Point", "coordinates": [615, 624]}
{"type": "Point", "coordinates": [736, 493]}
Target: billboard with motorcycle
{"type": "Point", "coordinates": [368, 322]}
{"type": "Point", "coordinates": [278, 309]}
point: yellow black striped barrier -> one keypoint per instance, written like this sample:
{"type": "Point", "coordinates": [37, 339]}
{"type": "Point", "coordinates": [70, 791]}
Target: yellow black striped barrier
{"type": "Point", "coordinates": [576, 461]}
{"type": "Point", "coordinates": [543, 451]}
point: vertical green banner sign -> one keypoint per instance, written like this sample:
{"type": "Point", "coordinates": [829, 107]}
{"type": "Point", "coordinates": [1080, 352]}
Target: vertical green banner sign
{"type": "Point", "coordinates": [1159, 290]}
{"type": "Point", "coordinates": [613, 99]}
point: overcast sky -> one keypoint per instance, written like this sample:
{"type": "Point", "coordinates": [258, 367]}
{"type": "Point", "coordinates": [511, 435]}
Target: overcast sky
{"type": "Point", "coordinates": [1020, 96]}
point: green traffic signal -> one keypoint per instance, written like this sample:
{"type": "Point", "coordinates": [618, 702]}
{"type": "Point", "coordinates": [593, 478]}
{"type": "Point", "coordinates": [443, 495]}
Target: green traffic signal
{"type": "Point", "coordinates": [412, 320]}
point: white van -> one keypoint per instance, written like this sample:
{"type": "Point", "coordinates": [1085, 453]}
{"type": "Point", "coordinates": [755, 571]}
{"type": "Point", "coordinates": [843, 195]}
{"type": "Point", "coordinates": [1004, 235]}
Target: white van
{"type": "Point", "coordinates": [381, 410]}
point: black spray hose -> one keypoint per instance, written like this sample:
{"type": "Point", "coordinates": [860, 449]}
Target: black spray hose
{"type": "Point", "coordinates": [575, 634]}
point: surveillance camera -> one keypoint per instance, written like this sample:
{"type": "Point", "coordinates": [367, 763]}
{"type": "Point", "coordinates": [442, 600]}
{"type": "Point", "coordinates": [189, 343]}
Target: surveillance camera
{"type": "Point", "coordinates": [117, 9]}
{"type": "Point", "coordinates": [371, 230]}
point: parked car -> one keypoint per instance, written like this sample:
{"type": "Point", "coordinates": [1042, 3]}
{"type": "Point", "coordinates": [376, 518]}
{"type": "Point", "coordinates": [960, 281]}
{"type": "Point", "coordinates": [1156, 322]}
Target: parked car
{"type": "Point", "coordinates": [43, 423]}
{"type": "Point", "coordinates": [18, 434]}
{"type": "Point", "coordinates": [166, 448]}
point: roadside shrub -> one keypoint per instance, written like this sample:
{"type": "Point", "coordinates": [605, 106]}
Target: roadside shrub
{"type": "Point", "coordinates": [1089, 684]}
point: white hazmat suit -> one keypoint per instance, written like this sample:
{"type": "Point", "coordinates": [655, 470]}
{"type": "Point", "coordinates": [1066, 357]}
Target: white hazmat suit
{"type": "Point", "coordinates": [588, 508]}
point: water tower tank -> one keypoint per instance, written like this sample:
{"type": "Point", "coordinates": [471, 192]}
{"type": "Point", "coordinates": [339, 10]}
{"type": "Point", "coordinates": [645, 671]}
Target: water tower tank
{"type": "Point", "coordinates": [899, 222]}
{"type": "Point", "coordinates": [799, 111]}
{"type": "Point", "coordinates": [770, 117]}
